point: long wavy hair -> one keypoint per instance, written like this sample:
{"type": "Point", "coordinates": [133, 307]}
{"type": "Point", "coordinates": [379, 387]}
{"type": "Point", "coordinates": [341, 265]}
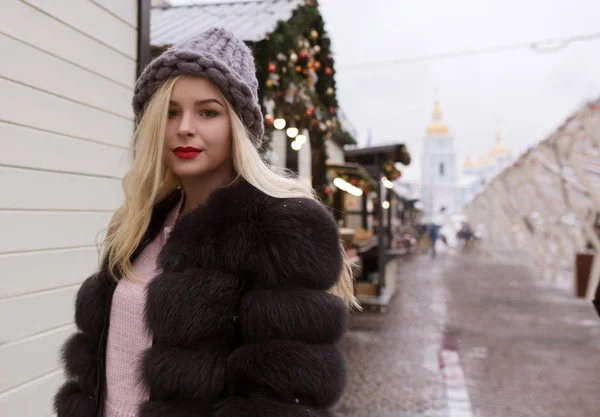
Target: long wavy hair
{"type": "Point", "coordinates": [149, 181]}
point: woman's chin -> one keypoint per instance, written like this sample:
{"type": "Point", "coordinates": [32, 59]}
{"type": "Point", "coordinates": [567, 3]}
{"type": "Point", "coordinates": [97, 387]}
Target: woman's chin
{"type": "Point", "coordinates": [188, 170]}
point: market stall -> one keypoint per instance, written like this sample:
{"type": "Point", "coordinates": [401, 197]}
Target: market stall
{"type": "Point", "coordinates": [361, 194]}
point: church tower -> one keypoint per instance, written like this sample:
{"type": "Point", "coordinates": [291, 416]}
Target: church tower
{"type": "Point", "coordinates": [438, 167]}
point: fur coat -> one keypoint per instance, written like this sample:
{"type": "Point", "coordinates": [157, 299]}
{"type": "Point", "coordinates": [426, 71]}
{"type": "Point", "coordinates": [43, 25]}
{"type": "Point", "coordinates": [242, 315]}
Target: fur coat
{"type": "Point", "coordinates": [240, 319]}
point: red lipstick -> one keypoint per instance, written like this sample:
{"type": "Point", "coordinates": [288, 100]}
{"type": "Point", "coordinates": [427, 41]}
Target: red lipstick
{"type": "Point", "coordinates": [186, 152]}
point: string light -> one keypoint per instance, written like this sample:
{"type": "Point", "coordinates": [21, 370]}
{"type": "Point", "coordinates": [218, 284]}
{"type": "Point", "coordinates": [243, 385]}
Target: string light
{"type": "Point", "coordinates": [292, 132]}
{"type": "Point", "coordinates": [346, 186]}
{"type": "Point", "coordinates": [387, 183]}
{"type": "Point", "coordinates": [279, 124]}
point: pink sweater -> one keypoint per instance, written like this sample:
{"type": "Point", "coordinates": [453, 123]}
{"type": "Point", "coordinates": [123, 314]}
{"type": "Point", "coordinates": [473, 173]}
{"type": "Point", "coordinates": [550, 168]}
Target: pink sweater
{"type": "Point", "coordinates": [128, 338]}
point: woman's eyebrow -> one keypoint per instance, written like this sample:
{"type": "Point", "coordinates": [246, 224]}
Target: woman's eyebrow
{"type": "Point", "coordinates": [199, 102]}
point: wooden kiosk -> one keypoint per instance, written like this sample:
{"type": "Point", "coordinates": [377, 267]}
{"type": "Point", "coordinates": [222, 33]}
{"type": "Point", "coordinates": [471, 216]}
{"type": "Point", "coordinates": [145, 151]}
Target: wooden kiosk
{"type": "Point", "coordinates": [372, 214]}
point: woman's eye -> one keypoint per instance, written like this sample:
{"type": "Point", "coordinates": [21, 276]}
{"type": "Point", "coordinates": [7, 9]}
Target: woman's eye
{"type": "Point", "coordinates": [209, 113]}
{"type": "Point", "coordinates": [172, 113]}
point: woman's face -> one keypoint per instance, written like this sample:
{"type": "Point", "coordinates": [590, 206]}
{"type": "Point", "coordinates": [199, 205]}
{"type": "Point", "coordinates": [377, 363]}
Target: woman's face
{"type": "Point", "coordinates": [198, 132]}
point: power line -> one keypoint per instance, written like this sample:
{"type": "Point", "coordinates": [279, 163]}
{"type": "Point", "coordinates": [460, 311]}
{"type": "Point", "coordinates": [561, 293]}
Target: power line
{"type": "Point", "coordinates": [541, 46]}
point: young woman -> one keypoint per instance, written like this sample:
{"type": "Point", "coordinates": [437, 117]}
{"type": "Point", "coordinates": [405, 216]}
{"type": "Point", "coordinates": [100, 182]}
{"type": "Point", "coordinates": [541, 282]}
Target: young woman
{"type": "Point", "coordinates": [223, 288]}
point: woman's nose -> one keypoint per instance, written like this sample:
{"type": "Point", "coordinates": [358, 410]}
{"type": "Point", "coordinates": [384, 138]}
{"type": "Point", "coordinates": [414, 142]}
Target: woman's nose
{"type": "Point", "coordinates": [186, 127]}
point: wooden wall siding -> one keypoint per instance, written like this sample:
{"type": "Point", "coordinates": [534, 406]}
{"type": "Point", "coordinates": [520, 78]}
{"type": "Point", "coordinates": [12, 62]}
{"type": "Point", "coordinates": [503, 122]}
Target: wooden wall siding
{"type": "Point", "coordinates": [65, 130]}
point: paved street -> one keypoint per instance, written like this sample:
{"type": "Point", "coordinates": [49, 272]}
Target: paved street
{"type": "Point", "coordinates": [475, 335]}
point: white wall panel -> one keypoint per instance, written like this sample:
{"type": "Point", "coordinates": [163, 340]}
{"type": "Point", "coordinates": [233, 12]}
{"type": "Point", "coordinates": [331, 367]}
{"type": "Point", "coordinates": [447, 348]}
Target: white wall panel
{"type": "Point", "coordinates": [33, 399]}
{"type": "Point", "coordinates": [31, 358]}
{"type": "Point", "coordinates": [62, 78]}
{"type": "Point", "coordinates": [126, 10]}
{"type": "Point", "coordinates": [40, 190]}
{"type": "Point", "coordinates": [30, 25]}
{"type": "Point", "coordinates": [30, 107]}
{"type": "Point", "coordinates": [36, 313]}
{"type": "Point", "coordinates": [30, 148]}
{"type": "Point", "coordinates": [42, 230]}
{"type": "Point", "coordinates": [24, 273]}
{"type": "Point", "coordinates": [92, 20]}
{"type": "Point", "coordinates": [65, 125]}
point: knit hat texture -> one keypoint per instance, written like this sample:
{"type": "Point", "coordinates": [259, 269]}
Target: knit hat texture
{"type": "Point", "coordinates": [219, 56]}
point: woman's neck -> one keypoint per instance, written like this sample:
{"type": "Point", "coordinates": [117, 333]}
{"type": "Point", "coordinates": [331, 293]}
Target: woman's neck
{"type": "Point", "coordinates": [198, 189]}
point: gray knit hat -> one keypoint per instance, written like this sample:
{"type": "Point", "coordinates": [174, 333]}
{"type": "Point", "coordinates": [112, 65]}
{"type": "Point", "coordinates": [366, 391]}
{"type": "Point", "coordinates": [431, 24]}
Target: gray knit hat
{"type": "Point", "coordinates": [220, 57]}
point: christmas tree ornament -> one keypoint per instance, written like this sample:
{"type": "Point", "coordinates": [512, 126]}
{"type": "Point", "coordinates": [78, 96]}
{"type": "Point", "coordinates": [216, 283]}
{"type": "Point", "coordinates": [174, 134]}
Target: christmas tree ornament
{"type": "Point", "coordinates": [314, 34]}
{"type": "Point", "coordinates": [298, 69]}
{"type": "Point", "coordinates": [283, 70]}
{"type": "Point", "coordinates": [317, 49]}
{"type": "Point", "coordinates": [271, 67]}
{"type": "Point", "coordinates": [329, 91]}
{"type": "Point", "coordinates": [293, 57]}
{"type": "Point", "coordinates": [303, 54]}
{"type": "Point", "coordinates": [314, 78]}
{"type": "Point", "coordinates": [328, 71]}
{"type": "Point", "coordinates": [300, 43]}
{"type": "Point", "coordinates": [281, 57]}
{"type": "Point", "coordinates": [317, 65]}
{"type": "Point", "coordinates": [269, 105]}
{"type": "Point", "coordinates": [290, 94]}
{"type": "Point", "coordinates": [269, 83]}
{"type": "Point", "coordinates": [274, 79]}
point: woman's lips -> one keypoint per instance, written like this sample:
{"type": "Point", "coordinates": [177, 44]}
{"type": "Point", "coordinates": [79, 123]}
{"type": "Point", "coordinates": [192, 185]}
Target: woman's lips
{"type": "Point", "coordinates": [186, 152]}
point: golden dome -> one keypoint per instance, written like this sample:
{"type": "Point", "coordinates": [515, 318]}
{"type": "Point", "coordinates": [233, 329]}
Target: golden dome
{"type": "Point", "coordinates": [468, 164]}
{"type": "Point", "coordinates": [437, 127]}
{"type": "Point", "coordinates": [498, 150]}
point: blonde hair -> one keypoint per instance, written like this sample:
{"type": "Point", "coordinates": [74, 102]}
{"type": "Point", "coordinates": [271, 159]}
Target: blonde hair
{"type": "Point", "coordinates": [149, 181]}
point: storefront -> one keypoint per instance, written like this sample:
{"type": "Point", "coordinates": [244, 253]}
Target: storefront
{"type": "Point", "coordinates": [369, 212]}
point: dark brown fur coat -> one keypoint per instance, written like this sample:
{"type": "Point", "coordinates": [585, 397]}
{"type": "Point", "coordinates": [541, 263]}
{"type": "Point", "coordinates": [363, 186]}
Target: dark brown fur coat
{"type": "Point", "coordinates": [241, 322]}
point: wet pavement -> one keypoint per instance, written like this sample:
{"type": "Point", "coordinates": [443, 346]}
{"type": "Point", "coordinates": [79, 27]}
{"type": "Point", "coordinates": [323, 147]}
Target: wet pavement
{"type": "Point", "coordinates": [473, 335]}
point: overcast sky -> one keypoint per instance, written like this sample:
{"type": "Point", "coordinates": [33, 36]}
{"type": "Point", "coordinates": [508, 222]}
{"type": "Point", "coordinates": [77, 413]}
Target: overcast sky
{"type": "Point", "coordinates": [524, 94]}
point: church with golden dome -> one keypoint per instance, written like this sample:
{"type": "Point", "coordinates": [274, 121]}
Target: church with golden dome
{"type": "Point", "coordinates": [442, 185]}
{"type": "Point", "coordinates": [438, 167]}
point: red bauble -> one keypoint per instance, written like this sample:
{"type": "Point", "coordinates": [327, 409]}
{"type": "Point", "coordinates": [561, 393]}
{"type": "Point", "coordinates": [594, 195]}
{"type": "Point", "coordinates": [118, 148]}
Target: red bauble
{"type": "Point", "coordinates": [268, 121]}
{"type": "Point", "coordinates": [309, 111]}
{"type": "Point", "coordinates": [331, 111]}
{"type": "Point", "coordinates": [353, 181]}
{"type": "Point", "coordinates": [327, 190]}
{"type": "Point", "coordinates": [328, 71]}
{"type": "Point", "coordinates": [298, 68]}
{"type": "Point", "coordinates": [272, 67]}
{"type": "Point", "coordinates": [302, 54]}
